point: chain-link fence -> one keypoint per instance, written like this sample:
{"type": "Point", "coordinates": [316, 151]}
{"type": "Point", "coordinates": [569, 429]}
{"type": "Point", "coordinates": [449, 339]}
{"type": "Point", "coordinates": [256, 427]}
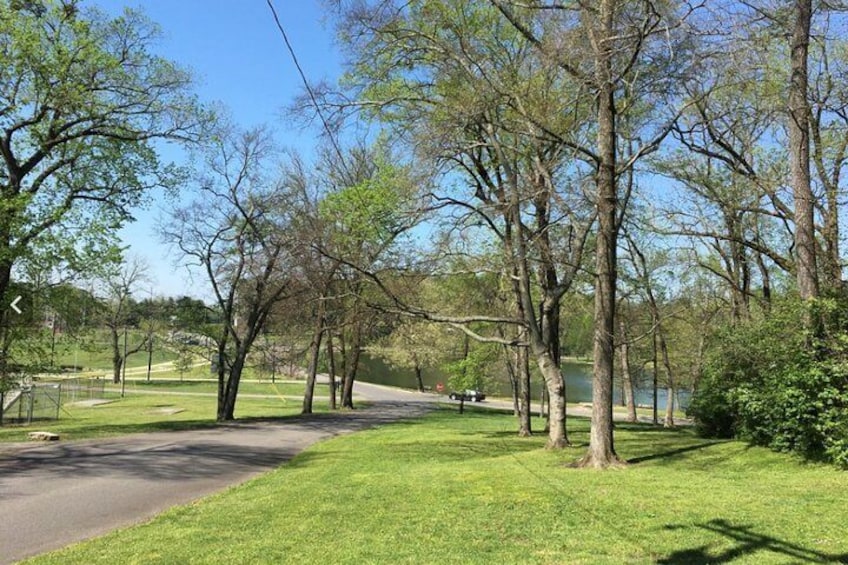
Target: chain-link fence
{"type": "Point", "coordinates": [79, 388]}
{"type": "Point", "coordinates": [32, 402]}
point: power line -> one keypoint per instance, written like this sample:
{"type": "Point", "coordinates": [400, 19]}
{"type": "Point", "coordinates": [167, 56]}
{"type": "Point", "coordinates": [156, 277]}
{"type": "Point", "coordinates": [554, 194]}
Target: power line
{"type": "Point", "coordinates": [306, 83]}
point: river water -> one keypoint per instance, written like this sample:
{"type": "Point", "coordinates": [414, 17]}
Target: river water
{"type": "Point", "coordinates": [578, 382]}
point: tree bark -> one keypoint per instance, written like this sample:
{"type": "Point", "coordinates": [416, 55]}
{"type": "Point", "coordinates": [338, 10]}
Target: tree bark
{"type": "Point", "coordinates": [418, 378]}
{"type": "Point", "coordinates": [655, 366]}
{"type": "Point", "coordinates": [227, 405]}
{"type": "Point", "coordinates": [626, 378]}
{"type": "Point", "coordinates": [799, 151]}
{"type": "Point", "coordinates": [525, 428]}
{"type": "Point", "coordinates": [354, 351]}
{"type": "Point", "coordinates": [331, 361]}
{"type": "Point", "coordinates": [538, 346]}
{"type": "Point", "coordinates": [314, 354]}
{"type": "Point", "coordinates": [511, 362]}
{"type": "Point", "coordinates": [601, 453]}
{"type": "Point", "coordinates": [117, 360]}
{"type": "Point", "coordinates": [669, 403]}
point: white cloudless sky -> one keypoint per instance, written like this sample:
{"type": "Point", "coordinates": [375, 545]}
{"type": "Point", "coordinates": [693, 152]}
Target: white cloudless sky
{"type": "Point", "coordinates": [238, 56]}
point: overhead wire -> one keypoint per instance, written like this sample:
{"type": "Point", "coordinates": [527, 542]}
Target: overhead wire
{"type": "Point", "coordinates": [309, 90]}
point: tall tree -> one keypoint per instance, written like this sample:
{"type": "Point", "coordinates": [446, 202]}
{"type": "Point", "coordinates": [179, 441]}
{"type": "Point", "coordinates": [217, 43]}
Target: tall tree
{"type": "Point", "coordinates": [118, 289]}
{"type": "Point", "coordinates": [82, 100]}
{"type": "Point", "coordinates": [479, 104]}
{"type": "Point", "coordinates": [799, 151]}
{"type": "Point", "coordinates": [618, 51]}
{"type": "Point", "coordinates": [237, 231]}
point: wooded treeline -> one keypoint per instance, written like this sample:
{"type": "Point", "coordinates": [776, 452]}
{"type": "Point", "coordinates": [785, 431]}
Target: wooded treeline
{"type": "Point", "coordinates": [494, 174]}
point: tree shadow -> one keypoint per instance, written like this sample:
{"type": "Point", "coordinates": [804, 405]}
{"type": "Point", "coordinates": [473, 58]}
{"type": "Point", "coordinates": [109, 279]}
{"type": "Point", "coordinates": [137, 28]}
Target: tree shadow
{"type": "Point", "coordinates": [649, 427]}
{"type": "Point", "coordinates": [747, 542]}
{"type": "Point", "coordinates": [672, 453]}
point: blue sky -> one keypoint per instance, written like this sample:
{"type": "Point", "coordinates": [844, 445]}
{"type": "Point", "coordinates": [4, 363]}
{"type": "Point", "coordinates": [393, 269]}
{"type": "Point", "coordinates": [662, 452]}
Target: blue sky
{"type": "Point", "coordinates": [239, 58]}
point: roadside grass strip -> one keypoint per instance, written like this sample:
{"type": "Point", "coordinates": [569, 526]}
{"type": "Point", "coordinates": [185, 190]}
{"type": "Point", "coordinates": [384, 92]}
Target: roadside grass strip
{"type": "Point", "coordinates": [465, 489]}
{"type": "Point", "coordinates": [136, 413]}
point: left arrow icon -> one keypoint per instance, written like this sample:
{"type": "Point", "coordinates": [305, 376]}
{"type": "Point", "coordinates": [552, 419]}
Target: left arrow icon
{"type": "Point", "coordinates": [14, 305]}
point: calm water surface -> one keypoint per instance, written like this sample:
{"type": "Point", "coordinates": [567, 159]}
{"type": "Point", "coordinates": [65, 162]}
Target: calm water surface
{"type": "Point", "coordinates": [578, 382]}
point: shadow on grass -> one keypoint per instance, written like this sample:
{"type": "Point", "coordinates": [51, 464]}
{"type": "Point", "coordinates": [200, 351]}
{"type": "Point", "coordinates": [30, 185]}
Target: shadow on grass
{"type": "Point", "coordinates": [747, 542]}
{"type": "Point", "coordinates": [649, 427]}
{"type": "Point", "coordinates": [672, 452]}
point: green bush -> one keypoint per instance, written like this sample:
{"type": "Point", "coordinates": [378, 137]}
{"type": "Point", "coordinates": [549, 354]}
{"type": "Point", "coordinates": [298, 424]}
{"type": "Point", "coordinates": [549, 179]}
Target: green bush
{"type": "Point", "coordinates": [772, 383]}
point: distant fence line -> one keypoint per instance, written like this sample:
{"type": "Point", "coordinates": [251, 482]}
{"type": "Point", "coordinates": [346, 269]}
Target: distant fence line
{"type": "Point", "coordinates": [43, 400]}
{"type": "Point", "coordinates": [82, 388]}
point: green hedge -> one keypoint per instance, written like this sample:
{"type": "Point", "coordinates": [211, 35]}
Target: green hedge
{"type": "Point", "coordinates": [771, 382]}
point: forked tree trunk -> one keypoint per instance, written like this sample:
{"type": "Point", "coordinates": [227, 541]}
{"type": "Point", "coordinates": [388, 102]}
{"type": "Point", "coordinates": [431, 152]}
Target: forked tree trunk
{"type": "Point", "coordinates": [538, 347]}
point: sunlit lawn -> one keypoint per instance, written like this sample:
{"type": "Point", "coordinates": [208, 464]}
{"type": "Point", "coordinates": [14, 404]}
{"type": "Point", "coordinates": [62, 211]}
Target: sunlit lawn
{"type": "Point", "coordinates": [210, 386]}
{"type": "Point", "coordinates": [142, 413]}
{"type": "Point", "coordinates": [465, 489]}
{"type": "Point", "coordinates": [99, 358]}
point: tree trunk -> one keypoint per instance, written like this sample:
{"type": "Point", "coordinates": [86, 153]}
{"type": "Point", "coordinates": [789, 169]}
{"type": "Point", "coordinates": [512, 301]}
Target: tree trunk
{"type": "Point", "coordinates": [555, 386]}
{"type": "Point", "coordinates": [227, 405]}
{"type": "Point", "coordinates": [669, 403]}
{"type": "Point", "coordinates": [655, 365]}
{"type": "Point", "coordinates": [331, 361]}
{"type": "Point", "coordinates": [418, 378]}
{"type": "Point", "coordinates": [799, 151]}
{"type": "Point", "coordinates": [314, 355]}
{"type": "Point", "coordinates": [524, 420]}
{"type": "Point", "coordinates": [668, 422]}
{"type": "Point", "coordinates": [557, 431]}
{"type": "Point", "coordinates": [626, 378]}
{"type": "Point", "coordinates": [511, 362]}
{"type": "Point", "coordinates": [601, 453]}
{"type": "Point", "coordinates": [222, 377]}
{"type": "Point", "coordinates": [351, 365]}
{"type": "Point", "coordinates": [540, 349]}
{"type": "Point", "coordinates": [117, 360]}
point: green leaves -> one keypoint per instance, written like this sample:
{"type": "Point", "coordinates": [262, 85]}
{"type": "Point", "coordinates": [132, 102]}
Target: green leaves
{"type": "Point", "coordinates": [763, 384]}
{"type": "Point", "coordinates": [368, 215]}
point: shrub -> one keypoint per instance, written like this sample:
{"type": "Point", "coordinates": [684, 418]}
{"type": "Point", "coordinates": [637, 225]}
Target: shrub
{"type": "Point", "coordinates": [770, 383]}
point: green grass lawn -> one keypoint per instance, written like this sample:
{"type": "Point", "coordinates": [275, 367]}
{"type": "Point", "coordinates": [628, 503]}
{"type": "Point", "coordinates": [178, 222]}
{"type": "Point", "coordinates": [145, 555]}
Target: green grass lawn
{"type": "Point", "coordinates": [100, 358]}
{"type": "Point", "coordinates": [145, 413]}
{"type": "Point", "coordinates": [211, 387]}
{"type": "Point", "coordinates": [465, 489]}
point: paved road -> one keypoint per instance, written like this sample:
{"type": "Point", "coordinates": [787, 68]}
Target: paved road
{"type": "Point", "coordinates": [53, 495]}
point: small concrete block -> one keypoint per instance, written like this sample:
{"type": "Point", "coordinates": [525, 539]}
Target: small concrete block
{"type": "Point", "coordinates": [43, 436]}
{"type": "Point", "coordinates": [166, 410]}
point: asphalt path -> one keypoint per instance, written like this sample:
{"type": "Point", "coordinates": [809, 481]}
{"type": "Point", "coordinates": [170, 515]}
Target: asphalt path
{"type": "Point", "coordinates": [55, 494]}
